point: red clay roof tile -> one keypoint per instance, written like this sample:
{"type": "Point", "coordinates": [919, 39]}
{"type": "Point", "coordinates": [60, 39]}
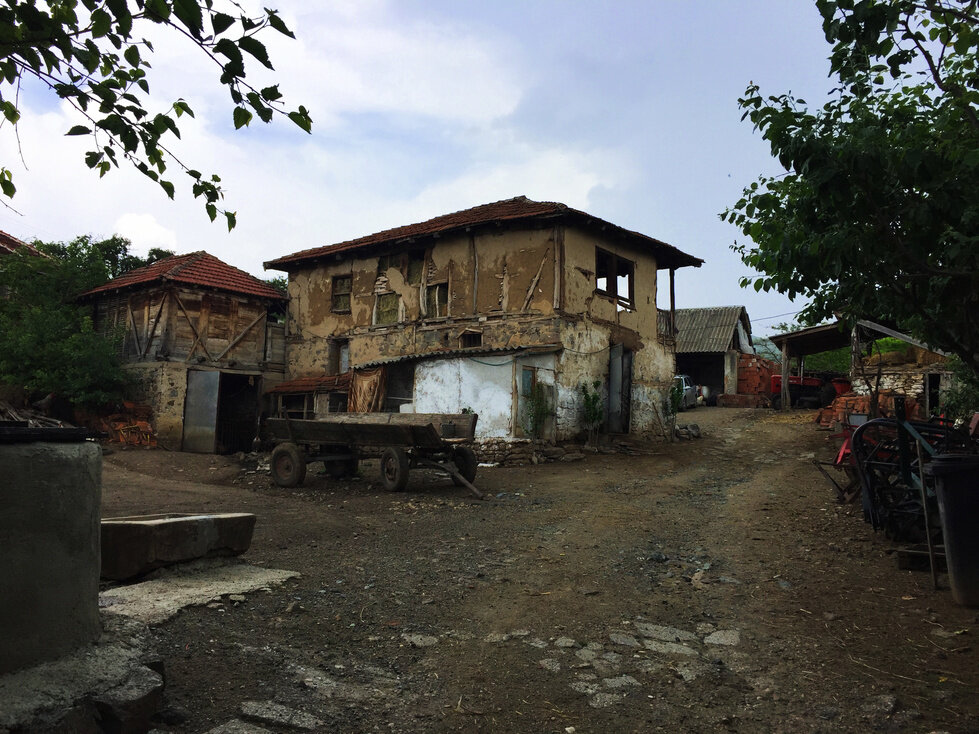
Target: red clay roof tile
{"type": "Point", "coordinates": [197, 268]}
{"type": "Point", "coordinates": [10, 244]}
{"type": "Point", "coordinates": [519, 208]}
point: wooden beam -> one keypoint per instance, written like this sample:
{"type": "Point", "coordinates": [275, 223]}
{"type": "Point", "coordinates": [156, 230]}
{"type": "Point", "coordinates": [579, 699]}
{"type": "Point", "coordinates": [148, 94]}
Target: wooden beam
{"type": "Point", "coordinates": [156, 321]}
{"type": "Point", "coordinates": [535, 281]}
{"type": "Point", "coordinates": [197, 336]}
{"type": "Point", "coordinates": [785, 396]}
{"type": "Point", "coordinates": [233, 342]}
{"type": "Point", "coordinates": [132, 323]}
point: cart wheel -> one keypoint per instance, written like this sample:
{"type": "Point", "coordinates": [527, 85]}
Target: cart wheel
{"type": "Point", "coordinates": [394, 469]}
{"type": "Point", "coordinates": [288, 465]}
{"type": "Point", "coordinates": [466, 462]}
{"type": "Point", "coordinates": [341, 469]}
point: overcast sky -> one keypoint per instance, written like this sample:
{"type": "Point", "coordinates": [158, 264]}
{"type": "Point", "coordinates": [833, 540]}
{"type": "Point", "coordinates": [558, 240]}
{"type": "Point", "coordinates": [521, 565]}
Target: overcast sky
{"type": "Point", "coordinates": [626, 110]}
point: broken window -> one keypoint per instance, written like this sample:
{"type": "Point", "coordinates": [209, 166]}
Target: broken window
{"type": "Point", "coordinates": [387, 309]}
{"type": "Point", "coordinates": [341, 293]}
{"type": "Point", "coordinates": [437, 300]}
{"type": "Point", "coordinates": [409, 264]}
{"type": "Point", "coordinates": [413, 271]}
{"type": "Point", "coordinates": [615, 278]}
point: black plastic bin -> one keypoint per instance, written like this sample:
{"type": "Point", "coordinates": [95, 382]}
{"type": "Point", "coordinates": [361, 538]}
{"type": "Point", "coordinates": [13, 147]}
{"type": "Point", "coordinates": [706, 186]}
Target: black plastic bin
{"type": "Point", "coordinates": [957, 486]}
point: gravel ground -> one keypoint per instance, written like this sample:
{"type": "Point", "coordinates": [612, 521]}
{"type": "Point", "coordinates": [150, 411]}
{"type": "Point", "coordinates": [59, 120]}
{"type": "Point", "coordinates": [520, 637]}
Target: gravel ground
{"type": "Point", "coordinates": [707, 585]}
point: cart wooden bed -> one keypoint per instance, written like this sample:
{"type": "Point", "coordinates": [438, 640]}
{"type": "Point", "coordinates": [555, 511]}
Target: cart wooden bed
{"type": "Point", "coordinates": [404, 440]}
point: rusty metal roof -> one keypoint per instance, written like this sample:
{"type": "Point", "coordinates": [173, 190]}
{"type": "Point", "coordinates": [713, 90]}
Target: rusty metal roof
{"type": "Point", "coordinates": [708, 329]}
{"type": "Point", "coordinates": [518, 209]}
{"type": "Point", "coordinates": [195, 269]}
{"type": "Point", "coordinates": [10, 244]}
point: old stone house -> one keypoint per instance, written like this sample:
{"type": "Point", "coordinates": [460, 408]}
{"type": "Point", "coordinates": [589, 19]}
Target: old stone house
{"type": "Point", "coordinates": [506, 309]}
{"type": "Point", "coordinates": [204, 341]}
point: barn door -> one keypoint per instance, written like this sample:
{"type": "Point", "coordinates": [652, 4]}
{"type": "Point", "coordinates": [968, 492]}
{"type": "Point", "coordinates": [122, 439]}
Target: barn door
{"type": "Point", "coordinates": [615, 389]}
{"type": "Point", "coordinates": [201, 411]}
{"type": "Point", "coordinates": [619, 388]}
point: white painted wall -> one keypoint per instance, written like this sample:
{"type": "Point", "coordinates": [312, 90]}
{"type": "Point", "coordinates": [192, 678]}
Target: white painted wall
{"type": "Point", "coordinates": [484, 384]}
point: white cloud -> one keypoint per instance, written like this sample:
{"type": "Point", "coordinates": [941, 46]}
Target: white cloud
{"type": "Point", "coordinates": [145, 232]}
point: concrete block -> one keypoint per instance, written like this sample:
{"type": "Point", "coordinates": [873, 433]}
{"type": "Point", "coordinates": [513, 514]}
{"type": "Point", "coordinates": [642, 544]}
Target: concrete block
{"type": "Point", "coordinates": [127, 708]}
{"type": "Point", "coordinates": [51, 495]}
{"type": "Point", "coordinates": [135, 545]}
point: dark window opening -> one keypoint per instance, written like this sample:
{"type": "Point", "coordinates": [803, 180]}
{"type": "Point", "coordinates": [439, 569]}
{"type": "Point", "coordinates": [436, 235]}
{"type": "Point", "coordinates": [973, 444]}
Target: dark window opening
{"type": "Point", "coordinates": [615, 278]}
{"type": "Point", "coordinates": [437, 300]}
{"type": "Point", "coordinates": [341, 293]}
{"type": "Point", "coordinates": [470, 339]}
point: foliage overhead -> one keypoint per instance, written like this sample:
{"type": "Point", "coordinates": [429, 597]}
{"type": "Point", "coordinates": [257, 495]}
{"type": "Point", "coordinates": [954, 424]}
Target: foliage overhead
{"type": "Point", "coordinates": [47, 341]}
{"type": "Point", "coordinates": [90, 53]}
{"type": "Point", "coordinates": [876, 215]}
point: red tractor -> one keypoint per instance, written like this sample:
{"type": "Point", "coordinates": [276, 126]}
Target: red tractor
{"type": "Point", "coordinates": [809, 392]}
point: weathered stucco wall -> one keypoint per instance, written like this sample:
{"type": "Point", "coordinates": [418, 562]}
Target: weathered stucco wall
{"type": "Point", "coordinates": [484, 385]}
{"type": "Point", "coordinates": [488, 280]}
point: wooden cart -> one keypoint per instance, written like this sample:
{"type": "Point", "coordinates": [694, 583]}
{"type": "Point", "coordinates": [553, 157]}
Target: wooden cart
{"type": "Point", "coordinates": [404, 440]}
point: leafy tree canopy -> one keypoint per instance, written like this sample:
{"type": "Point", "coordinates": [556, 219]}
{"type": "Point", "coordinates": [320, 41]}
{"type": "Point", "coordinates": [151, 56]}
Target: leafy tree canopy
{"type": "Point", "coordinates": [47, 341]}
{"type": "Point", "coordinates": [876, 215]}
{"type": "Point", "coordinates": [91, 53]}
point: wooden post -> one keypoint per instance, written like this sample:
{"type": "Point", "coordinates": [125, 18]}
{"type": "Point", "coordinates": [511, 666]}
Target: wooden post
{"type": "Point", "coordinates": [786, 396]}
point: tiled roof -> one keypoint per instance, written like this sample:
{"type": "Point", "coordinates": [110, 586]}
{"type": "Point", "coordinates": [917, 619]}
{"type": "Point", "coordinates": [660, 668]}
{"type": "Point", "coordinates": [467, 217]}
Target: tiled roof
{"type": "Point", "coordinates": [323, 383]}
{"type": "Point", "coordinates": [707, 329]}
{"type": "Point", "coordinates": [509, 210]}
{"type": "Point", "coordinates": [10, 244]}
{"type": "Point", "coordinates": [197, 268]}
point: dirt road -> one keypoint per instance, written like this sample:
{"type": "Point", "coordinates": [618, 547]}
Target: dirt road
{"type": "Point", "coordinates": [709, 585]}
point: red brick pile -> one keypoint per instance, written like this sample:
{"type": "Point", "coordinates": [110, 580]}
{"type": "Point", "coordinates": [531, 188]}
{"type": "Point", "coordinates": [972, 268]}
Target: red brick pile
{"type": "Point", "coordinates": [850, 403]}
{"type": "Point", "coordinates": [755, 374]}
{"type": "Point", "coordinates": [130, 426]}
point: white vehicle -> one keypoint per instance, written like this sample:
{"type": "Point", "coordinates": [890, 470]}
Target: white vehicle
{"type": "Point", "coordinates": [690, 391]}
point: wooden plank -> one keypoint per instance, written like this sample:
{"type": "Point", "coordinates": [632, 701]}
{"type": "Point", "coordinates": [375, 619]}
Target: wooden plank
{"type": "Point", "coordinates": [197, 336]}
{"type": "Point", "coordinates": [156, 320]}
{"type": "Point", "coordinates": [363, 429]}
{"type": "Point", "coordinates": [234, 342]}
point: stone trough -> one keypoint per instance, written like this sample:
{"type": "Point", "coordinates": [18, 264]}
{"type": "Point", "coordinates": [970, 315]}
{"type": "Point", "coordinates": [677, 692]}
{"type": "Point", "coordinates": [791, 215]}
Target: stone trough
{"type": "Point", "coordinates": [133, 546]}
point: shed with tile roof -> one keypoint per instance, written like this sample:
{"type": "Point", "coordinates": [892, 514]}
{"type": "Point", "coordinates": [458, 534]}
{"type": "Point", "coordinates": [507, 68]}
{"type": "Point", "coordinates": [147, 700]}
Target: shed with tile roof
{"type": "Point", "coordinates": [203, 340]}
{"type": "Point", "coordinates": [497, 308]}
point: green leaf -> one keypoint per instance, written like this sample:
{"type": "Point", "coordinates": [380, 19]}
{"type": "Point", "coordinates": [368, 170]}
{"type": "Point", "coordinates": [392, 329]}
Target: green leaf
{"type": "Point", "coordinates": [276, 22]}
{"type": "Point", "coordinates": [232, 220]}
{"type": "Point", "coordinates": [241, 117]}
{"type": "Point", "coordinates": [7, 187]}
{"type": "Point", "coordinates": [190, 14]}
{"type": "Point", "coordinates": [132, 55]}
{"type": "Point", "coordinates": [182, 108]}
{"type": "Point", "coordinates": [79, 130]}
{"type": "Point", "coordinates": [212, 211]}
{"type": "Point", "coordinates": [302, 119]}
{"type": "Point", "coordinates": [221, 22]}
{"type": "Point", "coordinates": [101, 23]}
{"type": "Point", "coordinates": [168, 187]}
{"type": "Point", "coordinates": [256, 48]}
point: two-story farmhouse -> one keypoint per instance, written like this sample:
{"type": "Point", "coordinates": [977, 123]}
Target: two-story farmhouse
{"type": "Point", "coordinates": [203, 340]}
{"type": "Point", "coordinates": [506, 309]}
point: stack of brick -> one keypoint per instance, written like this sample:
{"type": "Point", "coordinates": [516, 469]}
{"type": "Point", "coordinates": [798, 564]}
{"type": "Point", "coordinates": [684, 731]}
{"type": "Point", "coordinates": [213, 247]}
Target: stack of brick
{"type": "Point", "coordinates": [851, 403]}
{"type": "Point", "coordinates": [130, 426]}
{"type": "Point", "coordinates": [755, 374]}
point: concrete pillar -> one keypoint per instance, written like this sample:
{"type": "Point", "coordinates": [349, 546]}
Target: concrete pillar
{"type": "Point", "coordinates": [51, 496]}
{"type": "Point", "coordinates": [731, 372]}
